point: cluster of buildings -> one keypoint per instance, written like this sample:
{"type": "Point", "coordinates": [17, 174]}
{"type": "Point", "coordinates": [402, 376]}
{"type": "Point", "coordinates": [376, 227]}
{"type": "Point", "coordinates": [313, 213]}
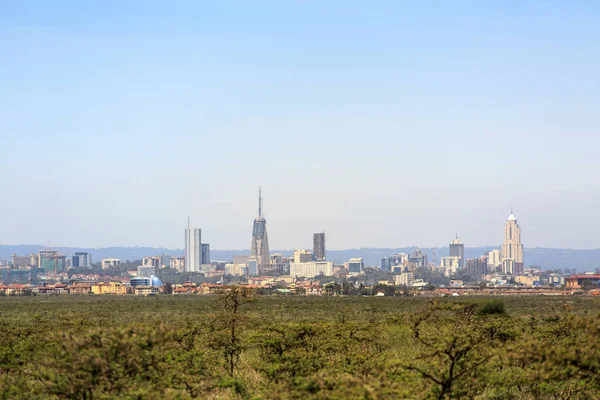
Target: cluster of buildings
{"type": "Point", "coordinates": [260, 268]}
{"type": "Point", "coordinates": [497, 266]}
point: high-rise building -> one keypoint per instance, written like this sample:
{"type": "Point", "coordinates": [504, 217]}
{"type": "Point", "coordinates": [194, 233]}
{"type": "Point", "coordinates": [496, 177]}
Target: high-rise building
{"type": "Point", "coordinates": [51, 261]}
{"type": "Point", "coordinates": [385, 264]}
{"type": "Point", "coordinates": [259, 248]}
{"type": "Point", "coordinates": [319, 246]}
{"type": "Point", "coordinates": [512, 249]}
{"type": "Point", "coordinates": [193, 249]}
{"type": "Point", "coordinates": [356, 266]}
{"type": "Point", "coordinates": [205, 254]}
{"type": "Point", "coordinates": [81, 260]}
{"type": "Point", "coordinates": [457, 249]}
{"type": "Point", "coordinates": [477, 267]}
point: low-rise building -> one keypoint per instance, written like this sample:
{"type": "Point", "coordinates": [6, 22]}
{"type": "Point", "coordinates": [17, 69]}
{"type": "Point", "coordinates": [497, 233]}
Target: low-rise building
{"type": "Point", "coordinates": [527, 280]}
{"type": "Point", "coordinates": [109, 288]}
{"type": "Point", "coordinates": [236, 269]}
{"type": "Point", "coordinates": [583, 280]}
{"type": "Point", "coordinates": [110, 262]}
{"type": "Point", "coordinates": [311, 269]}
{"type": "Point", "coordinates": [80, 288]}
{"type": "Point", "coordinates": [146, 290]}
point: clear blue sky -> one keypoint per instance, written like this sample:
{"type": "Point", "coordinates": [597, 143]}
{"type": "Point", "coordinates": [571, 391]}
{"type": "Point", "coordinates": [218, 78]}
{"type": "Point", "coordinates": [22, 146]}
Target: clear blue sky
{"type": "Point", "coordinates": [383, 123]}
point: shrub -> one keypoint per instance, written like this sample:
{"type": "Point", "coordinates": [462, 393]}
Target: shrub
{"type": "Point", "coordinates": [493, 307]}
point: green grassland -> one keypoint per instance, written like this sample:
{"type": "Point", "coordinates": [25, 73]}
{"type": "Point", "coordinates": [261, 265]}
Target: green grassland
{"type": "Point", "coordinates": [239, 345]}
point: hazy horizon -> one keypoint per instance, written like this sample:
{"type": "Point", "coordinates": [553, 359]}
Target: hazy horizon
{"type": "Point", "coordinates": [381, 124]}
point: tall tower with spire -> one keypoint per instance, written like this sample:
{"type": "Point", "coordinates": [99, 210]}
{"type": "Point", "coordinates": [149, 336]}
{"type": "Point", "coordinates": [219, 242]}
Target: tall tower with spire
{"type": "Point", "coordinates": [512, 249]}
{"type": "Point", "coordinates": [259, 249]}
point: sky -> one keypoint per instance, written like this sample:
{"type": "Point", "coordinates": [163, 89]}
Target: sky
{"type": "Point", "coordinates": [381, 123]}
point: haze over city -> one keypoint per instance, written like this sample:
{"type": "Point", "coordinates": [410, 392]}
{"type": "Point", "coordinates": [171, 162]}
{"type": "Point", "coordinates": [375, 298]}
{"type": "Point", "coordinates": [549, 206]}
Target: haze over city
{"type": "Point", "coordinates": [384, 125]}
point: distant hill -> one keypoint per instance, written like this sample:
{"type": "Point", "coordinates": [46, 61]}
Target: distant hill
{"type": "Point", "coordinates": [582, 260]}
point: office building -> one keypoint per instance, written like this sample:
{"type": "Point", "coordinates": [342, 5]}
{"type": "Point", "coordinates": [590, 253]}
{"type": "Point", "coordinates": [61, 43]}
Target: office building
{"type": "Point", "coordinates": [193, 249]}
{"type": "Point", "coordinates": [512, 249]}
{"type": "Point", "coordinates": [319, 246]}
{"type": "Point", "coordinates": [253, 267]}
{"type": "Point", "coordinates": [236, 269]}
{"type": "Point", "coordinates": [205, 256]}
{"type": "Point", "coordinates": [302, 256]}
{"type": "Point", "coordinates": [81, 260]}
{"type": "Point", "coordinates": [110, 262]}
{"type": "Point", "coordinates": [418, 258]}
{"type": "Point", "coordinates": [385, 264]}
{"type": "Point", "coordinates": [259, 248]}
{"type": "Point", "coordinates": [457, 249]}
{"type": "Point", "coordinates": [165, 261]}
{"type": "Point", "coordinates": [154, 261]}
{"type": "Point", "coordinates": [51, 261]}
{"type": "Point", "coordinates": [25, 261]}
{"type": "Point", "coordinates": [178, 263]}
{"type": "Point", "coordinates": [311, 269]}
{"type": "Point", "coordinates": [404, 278]}
{"type": "Point", "coordinates": [449, 265]}
{"type": "Point", "coordinates": [477, 267]}
{"type": "Point", "coordinates": [356, 266]}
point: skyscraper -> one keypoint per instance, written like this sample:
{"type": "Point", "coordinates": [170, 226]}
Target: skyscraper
{"type": "Point", "coordinates": [457, 249]}
{"type": "Point", "coordinates": [193, 249]}
{"type": "Point", "coordinates": [319, 246]}
{"type": "Point", "coordinates": [512, 249]}
{"type": "Point", "coordinates": [205, 254]}
{"type": "Point", "coordinates": [81, 260]}
{"type": "Point", "coordinates": [260, 242]}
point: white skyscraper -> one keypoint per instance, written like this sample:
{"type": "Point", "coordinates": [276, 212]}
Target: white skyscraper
{"type": "Point", "coordinates": [512, 249]}
{"type": "Point", "coordinates": [193, 249]}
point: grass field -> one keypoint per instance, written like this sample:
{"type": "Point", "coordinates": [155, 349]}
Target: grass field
{"type": "Point", "coordinates": [239, 345]}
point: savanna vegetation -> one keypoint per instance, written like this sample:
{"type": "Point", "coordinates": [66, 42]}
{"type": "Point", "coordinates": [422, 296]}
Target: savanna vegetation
{"type": "Point", "coordinates": [239, 345]}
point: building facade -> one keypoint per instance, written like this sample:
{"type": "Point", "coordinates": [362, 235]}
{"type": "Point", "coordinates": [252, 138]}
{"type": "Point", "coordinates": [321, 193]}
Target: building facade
{"type": "Point", "coordinates": [449, 265]}
{"type": "Point", "coordinates": [302, 256]}
{"type": "Point", "coordinates": [311, 269]}
{"type": "Point", "coordinates": [319, 246]}
{"type": "Point", "coordinates": [205, 254]}
{"type": "Point", "coordinates": [512, 249]}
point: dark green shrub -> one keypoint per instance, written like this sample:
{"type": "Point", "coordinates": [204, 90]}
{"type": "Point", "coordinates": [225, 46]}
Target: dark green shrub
{"type": "Point", "coordinates": [493, 307]}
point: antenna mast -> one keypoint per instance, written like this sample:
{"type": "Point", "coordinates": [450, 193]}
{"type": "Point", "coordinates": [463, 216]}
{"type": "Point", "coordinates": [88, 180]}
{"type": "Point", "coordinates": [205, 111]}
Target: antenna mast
{"type": "Point", "coordinates": [259, 202]}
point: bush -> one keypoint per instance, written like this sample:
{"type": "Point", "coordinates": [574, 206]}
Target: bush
{"type": "Point", "coordinates": [493, 307]}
